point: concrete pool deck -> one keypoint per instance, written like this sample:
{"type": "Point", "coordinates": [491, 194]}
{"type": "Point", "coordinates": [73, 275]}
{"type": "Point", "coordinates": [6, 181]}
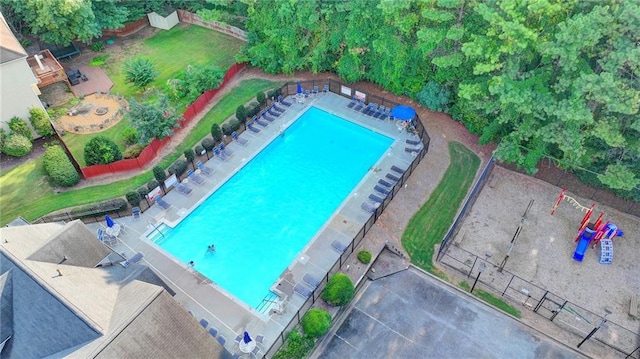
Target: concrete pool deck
{"type": "Point", "coordinates": [208, 301]}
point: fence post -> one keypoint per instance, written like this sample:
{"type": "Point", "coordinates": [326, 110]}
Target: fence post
{"type": "Point", "coordinates": [472, 266]}
{"type": "Point", "coordinates": [535, 310]}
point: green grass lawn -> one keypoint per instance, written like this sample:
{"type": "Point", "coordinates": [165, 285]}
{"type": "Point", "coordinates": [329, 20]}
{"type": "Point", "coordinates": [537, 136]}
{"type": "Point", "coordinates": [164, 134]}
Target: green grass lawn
{"type": "Point", "coordinates": [25, 191]}
{"type": "Point", "coordinates": [170, 51]}
{"type": "Point", "coordinates": [429, 225]}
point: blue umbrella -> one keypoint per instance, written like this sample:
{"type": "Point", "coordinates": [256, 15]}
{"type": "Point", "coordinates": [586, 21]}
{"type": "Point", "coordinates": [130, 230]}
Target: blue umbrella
{"type": "Point", "coordinates": [299, 88]}
{"type": "Point", "coordinates": [246, 338]}
{"type": "Point", "coordinates": [404, 113]}
{"type": "Point", "coordinates": [110, 221]}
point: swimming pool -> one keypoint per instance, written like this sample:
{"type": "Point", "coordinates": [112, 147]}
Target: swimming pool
{"type": "Point", "coordinates": [270, 209]}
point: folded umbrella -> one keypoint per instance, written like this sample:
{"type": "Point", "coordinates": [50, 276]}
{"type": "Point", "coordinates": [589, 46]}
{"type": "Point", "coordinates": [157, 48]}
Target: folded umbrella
{"type": "Point", "coordinates": [246, 338]}
{"type": "Point", "coordinates": [110, 221]}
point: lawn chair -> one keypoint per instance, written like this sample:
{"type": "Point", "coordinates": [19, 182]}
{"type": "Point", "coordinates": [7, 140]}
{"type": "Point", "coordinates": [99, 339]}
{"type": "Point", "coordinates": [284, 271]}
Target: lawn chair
{"type": "Point", "coordinates": [370, 208]}
{"type": "Point", "coordinates": [162, 203]}
{"type": "Point", "coordinates": [135, 212]}
{"type": "Point", "coordinates": [325, 89]}
{"type": "Point", "coordinates": [311, 280]}
{"type": "Point", "coordinates": [196, 177]}
{"type": "Point", "coordinates": [272, 112]}
{"type": "Point", "coordinates": [315, 90]}
{"type": "Point", "coordinates": [413, 142]}
{"type": "Point", "coordinates": [219, 154]}
{"type": "Point", "coordinates": [239, 139]}
{"type": "Point", "coordinates": [302, 290]}
{"type": "Point", "coordinates": [266, 117]}
{"type": "Point", "coordinates": [251, 128]}
{"type": "Point", "coordinates": [385, 183]}
{"type": "Point", "coordinates": [380, 189]}
{"type": "Point", "coordinates": [182, 189]}
{"type": "Point", "coordinates": [339, 246]}
{"type": "Point", "coordinates": [276, 108]}
{"type": "Point", "coordinates": [135, 259]}
{"type": "Point", "coordinates": [353, 102]}
{"type": "Point", "coordinates": [260, 122]}
{"type": "Point", "coordinates": [282, 101]}
{"type": "Point", "coordinates": [398, 170]}
{"type": "Point", "coordinates": [392, 177]}
{"type": "Point", "coordinates": [359, 105]}
{"type": "Point", "coordinates": [204, 169]}
{"type": "Point", "coordinates": [372, 197]}
{"type": "Point", "coordinates": [225, 150]}
{"type": "Point", "coordinates": [204, 323]}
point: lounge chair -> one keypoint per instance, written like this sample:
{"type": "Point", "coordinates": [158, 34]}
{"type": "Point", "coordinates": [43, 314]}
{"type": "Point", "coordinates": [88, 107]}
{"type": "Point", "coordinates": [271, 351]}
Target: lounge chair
{"type": "Point", "coordinates": [196, 177]}
{"type": "Point", "coordinates": [413, 149]}
{"type": "Point", "coordinates": [182, 189]}
{"type": "Point", "coordinates": [213, 332]}
{"type": "Point", "coordinates": [275, 107]}
{"type": "Point", "coordinates": [338, 246]}
{"type": "Point", "coordinates": [282, 101]}
{"type": "Point", "coordinates": [398, 170]}
{"type": "Point", "coordinates": [260, 122]}
{"type": "Point", "coordinates": [135, 212]}
{"type": "Point", "coordinates": [238, 338]}
{"type": "Point", "coordinates": [413, 142]}
{"type": "Point", "coordinates": [272, 112]}
{"type": "Point", "coordinates": [325, 89]}
{"type": "Point", "coordinates": [204, 323]}
{"type": "Point", "coordinates": [307, 94]}
{"type": "Point", "coordinates": [135, 259]}
{"type": "Point", "coordinates": [385, 114]}
{"type": "Point", "coordinates": [374, 198]}
{"type": "Point", "coordinates": [219, 154]}
{"type": "Point", "coordinates": [385, 183]}
{"type": "Point", "coordinates": [378, 112]}
{"type": "Point", "coordinates": [222, 340]}
{"type": "Point", "coordinates": [255, 352]}
{"type": "Point", "coordinates": [204, 169]}
{"type": "Point", "coordinates": [383, 191]}
{"type": "Point", "coordinates": [353, 102]}
{"type": "Point", "coordinates": [225, 150]}
{"type": "Point", "coordinates": [266, 117]}
{"type": "Point", "coordinates": [236, 355]}
{"type": "Point", "coordinates": [392, 177]}
{"type": "Point", "coordinates": [371, 208]}
{"type": "Point", "coordinates": [162, 203]}
{"type": "Point", "coordinates": [315, 90]}
{"type": "Point", "coordinates": [251, 128]}
{"type": "Point", "coordinates": [311, 280]}
{"type": "Point", "coordinates": [368, 108]}
{"type": "Point", "coordinates": [259, 338]}
{"type": "Point", "coordinates": [359, 106]}
{"type": "Point", "coordinates": [303, 290]}
{"type": "Point", "coordinates": [239, 139]}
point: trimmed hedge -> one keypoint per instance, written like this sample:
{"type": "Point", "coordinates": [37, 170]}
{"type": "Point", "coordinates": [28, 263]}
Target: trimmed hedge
{"type": "Point", "coordinates": [179, 167]}
{"type": "Point", "coordinates": [230, 126]}
{"type": "Point", "coordinates": [339, 290]}
{"type": "Point", "coordinates": [17, 145]}
{"type": "Point", "coordinates": [216, 132]}
{"type": "Point", "coordinates": [59, 167]}
{"type": "Point", "coordinates": [253, 109]}
{"type": "Point", "coordinates": [133, 198]}
{"type": "Point", "coordinates": [40, 122]}
{"type": "Point", "coordinates": [364, 257]}
{"type": "Point", "coordinates": [316, 322]}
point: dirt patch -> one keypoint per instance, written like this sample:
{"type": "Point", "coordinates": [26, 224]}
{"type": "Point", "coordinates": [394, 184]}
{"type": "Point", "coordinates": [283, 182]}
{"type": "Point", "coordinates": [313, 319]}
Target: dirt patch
{"type": "Point", "coordinates": [95, 113]}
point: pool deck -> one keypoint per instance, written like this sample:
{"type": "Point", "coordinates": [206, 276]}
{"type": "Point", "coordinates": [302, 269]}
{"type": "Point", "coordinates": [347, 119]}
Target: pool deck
{"type": "Point", "coordinates": [208, 301]}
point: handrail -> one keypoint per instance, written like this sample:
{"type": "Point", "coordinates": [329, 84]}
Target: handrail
{"type": "Point", "coordinates": [155, 228]}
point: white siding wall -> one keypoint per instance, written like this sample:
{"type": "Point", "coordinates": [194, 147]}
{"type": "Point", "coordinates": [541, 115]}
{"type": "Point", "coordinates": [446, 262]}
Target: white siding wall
{"type": "Point", "coordinates": [165, 23]}
{"type": "Point", "coordinates": [17, 92]}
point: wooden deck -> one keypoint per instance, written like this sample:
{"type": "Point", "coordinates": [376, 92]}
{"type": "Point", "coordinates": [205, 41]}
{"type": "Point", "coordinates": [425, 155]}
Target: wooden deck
{"type": "Point", "coordinates": [49, 72]}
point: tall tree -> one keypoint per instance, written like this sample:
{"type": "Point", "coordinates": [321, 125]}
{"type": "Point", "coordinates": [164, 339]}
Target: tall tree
{"type": "Point", "coordinates": [153, 120]}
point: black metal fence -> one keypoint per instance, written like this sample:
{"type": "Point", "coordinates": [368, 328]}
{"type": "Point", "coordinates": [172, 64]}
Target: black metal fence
{"type": "Point", "coordinates": [468, 203]}
{"type": "Point", "coordinates": [336, 87]}
{"type": "Point", "coordinates": [524, 294]}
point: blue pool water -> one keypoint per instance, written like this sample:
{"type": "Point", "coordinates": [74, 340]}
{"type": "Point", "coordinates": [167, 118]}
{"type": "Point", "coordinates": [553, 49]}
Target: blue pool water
{"type": "Point", "coordinates": [267, 213]}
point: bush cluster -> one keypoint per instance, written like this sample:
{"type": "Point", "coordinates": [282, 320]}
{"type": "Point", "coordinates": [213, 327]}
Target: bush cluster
{"type": "Point", "coordinates": [133, 151]}
{"type": "Point", "coordinates": [17, 145]}
{"type": "Point", "coordinates": [216, 132]}
{"type": "Point", "coordinates": [273, 94]}
{"type": "Point", "coordinates": [194, 81]}
{"type": "Point", "coordinates": [339, 290]}
{"type": "Point", "coordinates": [133, 198]}
{"type": "Point", "coordinates": [179, 167]}
{"type": "Point", "coordinates": [230, 126]}
{"type": "Point", "coordinates": [316, 322]}
{"type": "Point", "coordinates": [130, 135]}
{"type": "Point", "coordinates": [241, 113]}
{"type": "Point", "coordinates": [208, 144]}
{"type": "Point", "coordinates": [297, 345]}
{"type": "Point", "coordinates": [261, 98]}
{"type": "Point", "coordinates": [19, 126]}
{"type": "Point", "coordinates": [59, 167]}
{"type": "Point", "coordinates": [101, 150]}
{"type": "Point", "coordinates": [364, 257]}
{"type": "Point", "coordinates": [108, 206]}
{"type": "Point", "coordinates": [40, 122]}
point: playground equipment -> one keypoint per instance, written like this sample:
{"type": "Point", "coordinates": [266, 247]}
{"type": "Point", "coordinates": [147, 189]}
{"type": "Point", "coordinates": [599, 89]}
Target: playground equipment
{"type": "Point", "coordinates": [598, 232]}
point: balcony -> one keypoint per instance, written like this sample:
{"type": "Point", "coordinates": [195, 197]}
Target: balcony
{"type": "Point", "coordinates": [47, 70]}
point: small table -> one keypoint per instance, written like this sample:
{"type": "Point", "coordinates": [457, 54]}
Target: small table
{"type": "Point", "coordinates": [114, 231]}
{"type": "Point", "coordinates": [247, 347]}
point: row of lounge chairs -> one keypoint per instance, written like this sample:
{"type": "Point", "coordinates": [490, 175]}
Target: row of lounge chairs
{"type": "Point", "coordinates": [306, 289]}
{"type": "Point", "coordinates": [372, 109]}
{"type": "Point", "coordinates": [382, 189]}
{"type": "Point", "coordinates": [213, 332]}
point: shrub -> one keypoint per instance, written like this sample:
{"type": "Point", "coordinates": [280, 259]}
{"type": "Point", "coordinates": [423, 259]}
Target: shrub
{"type": "Point", "coordinates": [261, 98]}
{"type": "Point", "coordinates": [140, 72]}
{"type": "Point", "coordinates": [108, 206]}
{"type": "Point", "coordinates": [197, 80]}
{"type": "Point", "coordinates": [40, 122]}
{"type": "Point", "coordinates": [179, 167]}
{"type": "Point", "coordinates": [133, 151]}
{"type": "Point", "coordinates": [230, 126]}
{"type": "Point", "coordinates": [364, 257]}
{"type": "Point", "coordinates": [152, 184]}
{"type": "Point", "coordinates": [99, 60]}
{"type": "Point", "coordinates": [17, 145]}
{"type": "Point", "coordinates": [339, 290]}
{"type": "Point", "coordinates": [296, 346]}
{"type": "Point", "coordinates": [216, 132]}
{"type": "Point", "coordinates": [435, 97]}
{"type": "Point", "coordinates": [133, 198]}
{"type": "Point", "coordinates": [101, 150]}
{"type": "Point", "coordinates": [208, 144]}
{"type": "Point", "coordinates": [253, 109]}
{"type": "Point", "coordinates": [316, 322]}
{"type": "Point", "coordinates": [274, 93]}
{"type": "Point", "coordinates": [130, 135]}
{"type": "Point", "coordinates": [241, 113]}
{"type": "Point", "coordinates": [143, 191]}
{"type": "Point", "coordinates": [59, 167]}
{"type": "Point", "coordinates": [190, 155]}
{"type": "Point", "coordinates": [199, 150]}
{"type": "Point", "coordinates": [20, 127]}
{"type": "Point", "coordinates": [159, 174]}
{"type": "Point", "coordinates": [97, 46]}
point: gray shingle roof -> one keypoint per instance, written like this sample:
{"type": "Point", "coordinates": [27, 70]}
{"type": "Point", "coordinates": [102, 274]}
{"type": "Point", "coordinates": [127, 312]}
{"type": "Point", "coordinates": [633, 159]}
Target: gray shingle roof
{"type": "Point", "coordinates": [10, 48]}
{"type": "Point", "coordinates": [76, 243]}
{"type": "Point", "coordinates": [6, 306]}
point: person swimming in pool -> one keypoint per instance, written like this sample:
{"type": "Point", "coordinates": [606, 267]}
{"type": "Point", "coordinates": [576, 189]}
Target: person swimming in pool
{"type": "Point", "coordinates": [211, 248]}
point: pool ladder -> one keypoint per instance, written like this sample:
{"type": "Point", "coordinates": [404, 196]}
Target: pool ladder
{"type": "Point", "coordinates": [267, 302]}
{"type": "Point", "coordinates": [155, 228]}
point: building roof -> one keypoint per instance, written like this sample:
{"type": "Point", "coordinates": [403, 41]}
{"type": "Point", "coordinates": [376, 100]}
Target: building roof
{"type": "Point", "coordinates": [10, 48]}
{"type": "Point", "coordinates": [73, 308]}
